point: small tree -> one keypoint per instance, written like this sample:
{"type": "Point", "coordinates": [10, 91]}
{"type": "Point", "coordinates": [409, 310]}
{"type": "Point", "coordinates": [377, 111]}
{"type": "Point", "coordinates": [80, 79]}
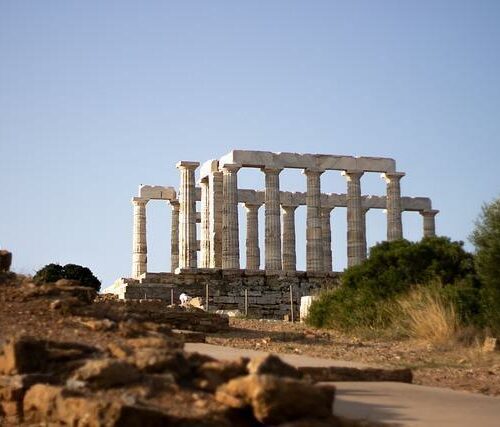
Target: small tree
{"type": "Point", "coordinates": [53, 272]}
{"type": "Point", "coordinates": [486, 239]}
{"type": "Point", "coordinates": [49, 274]}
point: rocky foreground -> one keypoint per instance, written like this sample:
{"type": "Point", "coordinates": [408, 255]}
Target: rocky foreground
{"type": "Point", "coordinates": [69, 358]}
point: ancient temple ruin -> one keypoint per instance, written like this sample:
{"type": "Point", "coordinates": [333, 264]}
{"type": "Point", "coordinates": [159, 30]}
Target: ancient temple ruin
{"type": "Point", "coordinates": [216, 251]}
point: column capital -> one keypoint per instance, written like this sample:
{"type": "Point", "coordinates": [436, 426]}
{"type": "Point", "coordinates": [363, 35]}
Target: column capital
{"type": "Point", "coordinates": [289, 206]}
{"type": "Point", "coordinates": [230, 167]}
{"type": "Point", "coordinates": [352, 175]}
{"type": "Point", "coordinates": [327, 209]}
{"type": "Point", "coordinates": [252, 205]}
{"type": "Point", "coordinates": [271, 170]}
{"type": "Point", "coordinates": [203, 181]}
{"type": "Point", "coordinates": [392, 176]}
{"type": "Point", "coordinates": [138, 201]}
{"type": "Point", "coordinates": [184, 164]}
{"type": "Point", "coordinates": [429, 213]}
{"type": "Point", "coordinates": [174, 203]}
{"type": "Point", "coordinates": [312, 171]}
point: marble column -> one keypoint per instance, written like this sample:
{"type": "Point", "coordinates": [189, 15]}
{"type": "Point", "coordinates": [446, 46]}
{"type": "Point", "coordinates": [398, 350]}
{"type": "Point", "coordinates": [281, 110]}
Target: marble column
{"type": "Point", "coordinates": [356, 252]}
{"type": "Point", "coordinates": [139, 244]}
{"type": "Point", "coordinates": [215, 220]}
{"type": "Point", "coordinates": [204, 226]}
{"type": "Point", "coordinates": [429, 218]}
{"type": "Point", "coordinates": [365, 245]}
{"type": "Point", "coordinates": [174, 236]}
{"type": "Point", "coordinates": [394, 221]}
{"type": "Point", "coordinates": [230, 228]}
{"type": "Point", "coordinates": [326, 233]}
{"type": "Point", "coordinates": [272, 219]}
{"type": "Point", "coordinates": [314, 244]}
{"type": "Point", "coordinates": [289, 255]}
{"type": "Point", "coordinates": [187, 215]}
{"type": "Point", "coordinates": [252, 240]}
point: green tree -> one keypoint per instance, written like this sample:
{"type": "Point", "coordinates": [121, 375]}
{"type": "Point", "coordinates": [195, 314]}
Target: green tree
{"type": "Point", "coordinates": [53, 272]}
{"type": "Point", "coordinates": [486, 239]}
{"type": "Point", "coordinates": [49, 274]}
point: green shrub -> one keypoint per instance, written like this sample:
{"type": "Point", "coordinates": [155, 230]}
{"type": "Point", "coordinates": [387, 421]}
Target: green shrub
{"type": "Point", "coordinates": [370, 289]}
{"type": "Point", "coordinates": [53, 272]}
{"type": "Point", "coordinates": [486, 239]}
{"type": "Point", "coordinates": [49, 274]}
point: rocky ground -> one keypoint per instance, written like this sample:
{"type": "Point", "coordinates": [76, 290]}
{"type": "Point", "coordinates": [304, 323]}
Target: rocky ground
{"type": "Point", "coordinates": [454, 366]}
{"type": "Point", "coordinates": [68, 358]}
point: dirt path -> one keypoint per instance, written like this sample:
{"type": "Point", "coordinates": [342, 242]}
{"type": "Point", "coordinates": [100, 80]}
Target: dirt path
{"type": "Point", "coordinates": [455, 367]}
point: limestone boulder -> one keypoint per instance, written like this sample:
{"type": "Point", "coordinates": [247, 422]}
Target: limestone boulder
{"type": "Point", "coordinates": [5, 260]}
{"type": "Point", "coordinates": [212, 374]}
{"type": "Point", "coordinates": [26, 355]}
{"type": "Point", "coordinates": [39, 403]}
{"type": "Point", "coordinates": [52, 405]}
{"type": "Point", "coordinates": [276, 400]}
{"type": "Point", "coordinates": [271, 364]}
{"type": "Point", "coordinates": [106, 373]}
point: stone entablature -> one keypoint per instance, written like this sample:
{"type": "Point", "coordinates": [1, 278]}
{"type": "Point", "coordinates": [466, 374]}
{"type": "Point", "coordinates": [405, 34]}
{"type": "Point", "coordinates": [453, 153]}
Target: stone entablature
{"type": "Point", "coordinates": [218, 191]}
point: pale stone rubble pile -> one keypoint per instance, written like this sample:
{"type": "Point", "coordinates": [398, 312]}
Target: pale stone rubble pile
{"type": "Point", "coordinates": [66, 383]}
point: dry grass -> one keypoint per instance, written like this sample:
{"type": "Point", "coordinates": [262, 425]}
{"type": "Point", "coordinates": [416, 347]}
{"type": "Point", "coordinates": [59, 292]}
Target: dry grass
{"type": "Point", "coordinates": [424, 314]}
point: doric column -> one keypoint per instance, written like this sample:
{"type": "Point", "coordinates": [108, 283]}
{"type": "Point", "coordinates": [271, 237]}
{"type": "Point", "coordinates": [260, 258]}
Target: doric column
{"type": "Point", "coordinates": [314, 245]}
{"type": "Point", "coordinates": [205, 225]}
{"type": "Point", "coordinates": [272, 219]}
{"type": "Point", "coordinates": [429, 222]}
{"type": "Point", "coordinates": [174, 236]}
{"type": "Point", "coordinates": [356, 252]}
{"type": "Point", "coordinates": [215, 221]}
{"type": "Point", "coordinates": [365, 245]}
{"type": "Point", "coordinates": [230, 229]}
{"type": "Point", "coordinates": [326, 233]}
{"type": "Point", "coordinates": [187, 215]}
{"type": "Point", "coordinates": [252, 241]}
{"type": "Point", "coordinates": [394, 222]}
{"type": "Point", "coordinates": [139, 244]}
{"type": "Point", "coordinates": [289, 256]}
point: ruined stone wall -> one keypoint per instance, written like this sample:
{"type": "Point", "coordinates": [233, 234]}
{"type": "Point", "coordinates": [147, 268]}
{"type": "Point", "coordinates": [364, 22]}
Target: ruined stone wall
{"type": "Point", "coordinates": [268, 294]}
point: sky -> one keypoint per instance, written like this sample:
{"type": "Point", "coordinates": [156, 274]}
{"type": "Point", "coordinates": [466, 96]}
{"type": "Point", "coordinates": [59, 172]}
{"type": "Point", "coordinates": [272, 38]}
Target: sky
{"type": "Point", "coordinates": [97, 98]}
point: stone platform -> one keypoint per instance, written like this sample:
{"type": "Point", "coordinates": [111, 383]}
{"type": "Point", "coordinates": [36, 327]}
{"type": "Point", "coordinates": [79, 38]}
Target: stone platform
{"type": "Point", "coordinates": [268, 293]}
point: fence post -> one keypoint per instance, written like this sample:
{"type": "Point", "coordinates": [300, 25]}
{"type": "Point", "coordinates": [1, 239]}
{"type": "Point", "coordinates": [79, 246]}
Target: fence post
{"type": "Point", "coordinates": [291, 304]}
{"type": "Point", "coordinates": [171, 296]}
{"type": "Point", "coordinates": [206, 297]}
{"type": "Point", "coordinates": [246, 302]}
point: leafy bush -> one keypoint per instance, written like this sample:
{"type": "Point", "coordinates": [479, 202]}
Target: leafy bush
{"type": "Point", "coordinates": [53, 272]}
{"type": "Point", "coordinates": [486, 239]}
{"type": "Point", "coordinates": [369, 290]}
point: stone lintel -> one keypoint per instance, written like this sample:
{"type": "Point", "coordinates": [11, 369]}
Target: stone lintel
{"type": "Point", "coordinates": [260, 159]}
{"type": "Point", "coordinates": [157, 192]}
{"type": "Point", "coordinates": [334, 200]}
{"type": "Point", "coordinates": [416, 204]}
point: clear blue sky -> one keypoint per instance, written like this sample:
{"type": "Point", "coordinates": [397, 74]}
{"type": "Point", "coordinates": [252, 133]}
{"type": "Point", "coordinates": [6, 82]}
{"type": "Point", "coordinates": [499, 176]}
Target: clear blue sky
{"type": "Point", "coordinates": [98, 97]}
